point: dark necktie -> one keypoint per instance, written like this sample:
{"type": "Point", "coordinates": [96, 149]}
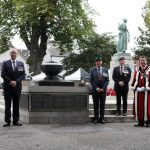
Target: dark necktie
{"type": "Point", "coordinates": [14, 66]}
{"type": "Point", "coordinates": [99, 73]}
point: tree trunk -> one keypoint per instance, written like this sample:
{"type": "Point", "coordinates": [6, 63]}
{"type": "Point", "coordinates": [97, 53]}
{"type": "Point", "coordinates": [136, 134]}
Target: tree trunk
{"type": "Point", "coordinates": [37, 51]}
{"type": "Point", "coordinates": [35, 59]}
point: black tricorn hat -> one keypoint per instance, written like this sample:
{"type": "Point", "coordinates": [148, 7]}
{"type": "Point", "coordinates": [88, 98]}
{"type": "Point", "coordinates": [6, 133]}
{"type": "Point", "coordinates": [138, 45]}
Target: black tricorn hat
{"type": "Point", "coordinates": [98, 58]}
{"type": "Point", "coordinates": [121, 58]}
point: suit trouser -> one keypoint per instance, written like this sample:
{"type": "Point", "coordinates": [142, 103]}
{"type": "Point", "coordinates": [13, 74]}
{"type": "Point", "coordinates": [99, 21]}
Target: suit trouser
{"type": "Point", "coordinates": [99, 101]}
{"type": "Point", "coordinates": [124, 94]}
{"type": "Point", "coordinates": [13, 95]}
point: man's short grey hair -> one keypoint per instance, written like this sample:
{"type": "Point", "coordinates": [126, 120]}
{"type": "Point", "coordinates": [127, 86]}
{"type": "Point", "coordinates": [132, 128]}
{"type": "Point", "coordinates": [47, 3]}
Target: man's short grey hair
{"type": "Point", "coordinates": [13, 50]}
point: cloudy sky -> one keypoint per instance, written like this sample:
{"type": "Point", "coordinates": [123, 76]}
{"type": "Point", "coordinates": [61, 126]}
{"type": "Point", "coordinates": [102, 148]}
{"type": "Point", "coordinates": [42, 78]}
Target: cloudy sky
{"type": "Point", "coordinates": [111, 13]}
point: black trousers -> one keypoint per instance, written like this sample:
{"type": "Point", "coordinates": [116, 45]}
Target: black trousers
{"type": "Point", "coordinates": [99, 101]}
{"type": "Point", "coordinates": [14, 96]}
{"type": "Point", "coordinates": [121, 93]}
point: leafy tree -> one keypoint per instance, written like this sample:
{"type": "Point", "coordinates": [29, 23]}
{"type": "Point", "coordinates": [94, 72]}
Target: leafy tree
{"type": "Point", "coordinates": [143, 41]}
{"type": "Point", "coordinates": [98, 44]}
{"type": "Point", "coordinates": [143, 44]}
{"type": "Point", "coordinates": [4, 43]}
{"type": "Point", "coordinates": [37, 20]}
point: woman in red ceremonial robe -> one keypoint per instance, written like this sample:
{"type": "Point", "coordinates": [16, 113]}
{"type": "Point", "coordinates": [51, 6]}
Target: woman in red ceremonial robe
{"type": "Point", "coordinates": [141, 87]}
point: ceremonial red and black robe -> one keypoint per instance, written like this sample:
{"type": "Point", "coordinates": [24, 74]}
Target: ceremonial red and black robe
{"type": "Point", "coordinates": [141, 104]}
{"type": "Point", "coordinates": [148, 94]}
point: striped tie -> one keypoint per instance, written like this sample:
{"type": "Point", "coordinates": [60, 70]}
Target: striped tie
{"type": "Point", "coordinates": [121, 70]}
{"type": "Point", "coordinates": [99, 74]}
{"type": "Point", "coordinates": [14, 66]}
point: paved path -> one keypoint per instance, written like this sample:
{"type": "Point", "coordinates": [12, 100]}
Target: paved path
{"type": "Point", "coordinates": [111, 136]}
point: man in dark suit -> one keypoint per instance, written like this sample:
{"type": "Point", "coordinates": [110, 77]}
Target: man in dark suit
{"type": "Point", "coordinates": [121, 76]}
{"type": "Point", "coordinates": [99, 79]}
{"type": "Point", "coordinates": [13, 73]}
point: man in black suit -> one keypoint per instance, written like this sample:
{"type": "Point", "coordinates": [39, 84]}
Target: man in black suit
{"type": "Point", "coordinates": [13, 73]}
{"type": "Point", "coordinates": [121, 76]}
{"type": "Point", "coordinates": [99, 79]}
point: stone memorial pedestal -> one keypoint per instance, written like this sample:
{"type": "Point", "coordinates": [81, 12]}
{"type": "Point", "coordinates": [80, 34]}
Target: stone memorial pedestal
{"type": "Point", "coordinates": [54, 100]}
{"type": "Point", "coordinates": [54, 105]}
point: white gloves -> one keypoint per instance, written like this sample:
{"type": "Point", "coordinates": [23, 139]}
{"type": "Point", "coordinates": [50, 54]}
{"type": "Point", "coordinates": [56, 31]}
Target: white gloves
{"type": "Point", "coordinates": [142, 89]}
{"type": "Point", "coordinates": [132, 88]}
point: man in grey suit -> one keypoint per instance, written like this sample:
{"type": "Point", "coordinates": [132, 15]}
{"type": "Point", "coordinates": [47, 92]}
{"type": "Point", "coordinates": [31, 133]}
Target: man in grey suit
{"type": "Point", "coordinates": [99, 79]}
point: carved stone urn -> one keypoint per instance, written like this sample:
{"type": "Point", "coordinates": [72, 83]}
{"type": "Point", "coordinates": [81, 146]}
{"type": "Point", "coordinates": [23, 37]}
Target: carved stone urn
{"type": "Point", "coordinates": [51, 69]}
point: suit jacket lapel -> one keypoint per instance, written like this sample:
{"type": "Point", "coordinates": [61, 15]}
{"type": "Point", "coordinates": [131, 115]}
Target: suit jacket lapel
{"type": "Point", "coordinates": [10, 64]}
{"type": "Point", "coordinates": [95, 70]}
{"type": "Point", "coordinates": [16, 64]}
{"type": "Point", "coordinates": [119, 70]}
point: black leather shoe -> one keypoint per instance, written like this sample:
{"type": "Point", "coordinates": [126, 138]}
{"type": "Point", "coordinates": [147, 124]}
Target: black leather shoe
{"type": "Point", "coordinates": [17, 124]}
{"type": "Point", "coordinates": [103, 121]}
{"type": "Point", "coordinates": [124, 114]}
{"type": "Point", "coordinates": [117, 114]}
{"type": "Point", "coordinates": [96, 121]}
{"type": "Point", "coordinates": [6, 124]}
{"type": "Point", "coordinates": [147, 125]}
{"type": "Point", "coordinates": [139, 125]}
